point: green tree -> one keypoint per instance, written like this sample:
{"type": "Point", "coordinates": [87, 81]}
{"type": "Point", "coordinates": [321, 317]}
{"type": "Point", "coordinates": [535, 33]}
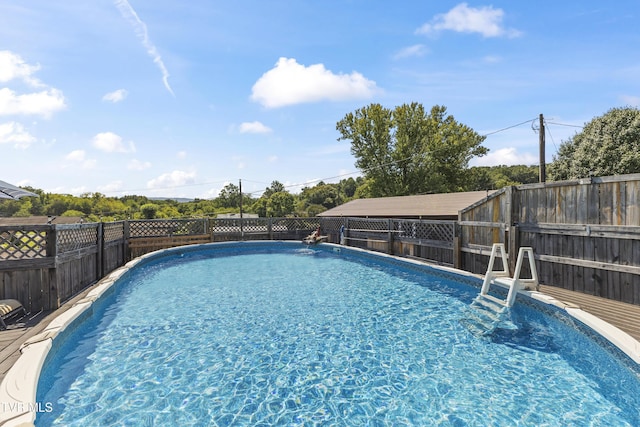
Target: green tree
{"type": "Point", "coordinates": [58, 203]}
{"type": "Point", "coordinates": [322, 194]}
{"type": "Point", "coordinates": [280, 204]}
{"type": "Point", "coordinates": [607, 145]}
{"type": "Point", "coordinates": [149, 210]}
{"type": "Point", "coordinates": [409, 151]}
{"type": "Point", "coordinates": [72, 212]}
{"type": "Point", "coordinates": [260, 206]}
{"type": "Point", "coordinates": [229, 196]}
{"type": "Point", "coordinates": [348, 187]}
{"type": "Point", "coordinates": [275, 187]}
{"type": "Point", "coordinates": [495, 177]}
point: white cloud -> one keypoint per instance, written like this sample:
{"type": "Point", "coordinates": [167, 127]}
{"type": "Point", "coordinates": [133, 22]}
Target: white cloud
{"type": "Point", "coordinates": [254, 127]}
{"type": "Point", "coordinates": [12, 67]}
{"type": "Point", "coordinates": [182, 155]}
{"type": "Point", "coordinates": [76, 190]}
{"type": "Point", "coordinates": [172, 179]}
{"type": "Point", "coordinates": [141, 31]}
{"type": "Point", "coordinates": [290, 83]}
{"type": "Point", "coordinates": [80, 157]}
{"type": "Point", "coordinates": [492, 59]}
{"type": "Point", "coordinates": [137, 165]}
{"type": "Point", "coordinates": [115, 96]}
{"type": "Point", "coordinates": [411, 51]}
{"type": "Point", "coordinates": [111, 143]}
{"type": "Point", "coordinates": [485, 20]}
{"type": "Point", "coordinates": [633, 101]}
{"type": "Point", "coordinates": [15, 133]}
{"type": "Point", "coordinates": [272, 159]}
{"type": "Point", "coordinates": [505, 156]}
{"type": "Point", "coordinates": [111, 187]}
{"type": "Point", "coordinates": [76, 155]}
{"type": "Point", "coordinates": [43, 103]}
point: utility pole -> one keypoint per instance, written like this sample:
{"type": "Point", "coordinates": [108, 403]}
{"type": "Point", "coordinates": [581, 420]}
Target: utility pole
{"type": "Point", "coordinates": [240, 182]}
{"type": "Point", "coordinates": [543, 172]}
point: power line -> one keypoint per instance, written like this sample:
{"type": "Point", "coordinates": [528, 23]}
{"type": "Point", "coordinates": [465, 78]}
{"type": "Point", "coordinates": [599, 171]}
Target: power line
{"type": "Point", "coordinates": [331, 177]}
{"type": "Point", "coordinates": [549, 132]}
{"type": "Point", "coordinates": [564, 124]}
{"type": "Point", "coordinates": [509, 127]}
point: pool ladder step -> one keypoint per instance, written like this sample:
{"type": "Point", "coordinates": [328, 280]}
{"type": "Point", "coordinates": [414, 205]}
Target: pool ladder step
{"type": "Point", "coordinates": [487, 311]}
{"type": "Point", "coordinates": [504, 279]}
{"type": "Point", "coordinates": [485, 314]}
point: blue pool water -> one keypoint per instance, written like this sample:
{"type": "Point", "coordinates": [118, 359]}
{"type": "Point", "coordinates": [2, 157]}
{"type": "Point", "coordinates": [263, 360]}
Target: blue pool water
{"type": "Point", "coordinates": [276, 334]}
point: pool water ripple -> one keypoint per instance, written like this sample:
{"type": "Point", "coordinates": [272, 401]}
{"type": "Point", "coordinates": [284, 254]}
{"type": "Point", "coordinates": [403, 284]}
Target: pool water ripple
{"type": "Point", "coordinates": [314, 339]}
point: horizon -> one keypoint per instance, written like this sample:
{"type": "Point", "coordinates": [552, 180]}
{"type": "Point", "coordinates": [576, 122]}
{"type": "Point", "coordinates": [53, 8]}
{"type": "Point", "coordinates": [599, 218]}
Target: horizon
{"type": "Point", "coordinates": [149, 98]}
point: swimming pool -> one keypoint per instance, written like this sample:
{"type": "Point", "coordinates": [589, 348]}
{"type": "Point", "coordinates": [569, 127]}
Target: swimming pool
{"type": "Point", "coordinates": [280, 334]}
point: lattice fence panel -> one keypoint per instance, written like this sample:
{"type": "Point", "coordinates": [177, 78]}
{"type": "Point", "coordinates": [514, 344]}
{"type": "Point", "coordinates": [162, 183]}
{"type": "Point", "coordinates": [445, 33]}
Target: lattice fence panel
{"type": "Point", "coordinates": [332, 224]}
{"type": "Point", "coordinates": [361, 224]}
{"type": "Point", "coordinates": [71, 239]}
{"type": "Point", "coordinates": [424, 230]}
{"type": "Point", "coordinates": [255, 225]}
{"type": "Point", "coordinates": [225, 225]}
{"type": "Point", "coordinates": [113, 231]}
{"type": "Point", "coordinates": [167, 227]}
{"type": "Point", "coordinates": [22, 243]}
{"type": "Point", "coordinates": [285, 224]}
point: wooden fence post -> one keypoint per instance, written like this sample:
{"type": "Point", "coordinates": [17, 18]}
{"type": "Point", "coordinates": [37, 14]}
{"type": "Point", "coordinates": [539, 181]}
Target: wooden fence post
{"type": "Point", "coordinates": [346, 232]}
{"type": "Point", "coordinates": [126, 253]}
{"type": "Point", "coordinates": [53, 302]}
{"type": "Point", "coordinates": [100, 248]}
{"type": "Point", "coordinates": [511, 219]}
{"type": "Point", "coordinates": [390, 236]}
{"type": "Point", "coordinates": [457, 254]}
{"type": "Point", "coordinates": [207, 229]}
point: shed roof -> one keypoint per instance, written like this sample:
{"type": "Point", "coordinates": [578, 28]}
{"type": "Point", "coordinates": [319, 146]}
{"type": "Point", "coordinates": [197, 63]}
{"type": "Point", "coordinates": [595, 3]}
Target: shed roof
{"type": "Point", "coordinates": [435, 206]}
{"type": "Point", "coordinates": [39, 220]}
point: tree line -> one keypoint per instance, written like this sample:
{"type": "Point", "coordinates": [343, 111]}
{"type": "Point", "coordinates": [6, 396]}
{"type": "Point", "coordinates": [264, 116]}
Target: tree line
{"type": "Point", "coordinates": [275, 201]}
{"type": "Point", "coordinates": [402, 151]}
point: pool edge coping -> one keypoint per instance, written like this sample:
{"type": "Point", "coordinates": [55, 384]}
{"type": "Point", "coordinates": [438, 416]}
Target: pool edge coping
{"type": "Point", "coordinates": [18, 389]}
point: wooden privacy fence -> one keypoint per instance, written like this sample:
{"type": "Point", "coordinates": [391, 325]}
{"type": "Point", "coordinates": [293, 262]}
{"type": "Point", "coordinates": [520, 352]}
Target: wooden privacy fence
{"type": "Point", "coordinates": [585, 235]}
{"type": "Point", "coordinates": [44, 265]}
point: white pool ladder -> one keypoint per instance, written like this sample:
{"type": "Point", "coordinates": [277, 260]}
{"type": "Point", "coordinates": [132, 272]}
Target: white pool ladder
{"type": "Point", "coordinates": [488, 312]}
{"type": "Point", "coordinates": [515, 283]}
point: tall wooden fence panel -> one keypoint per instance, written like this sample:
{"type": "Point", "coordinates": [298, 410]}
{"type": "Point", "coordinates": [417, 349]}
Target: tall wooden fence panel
{"type": "Point", "coordinates": [26, 257]}
{"type": "Point", "coordinates": [585, 233]}
{"type": "Point", "coordinates": [77, 258]}
{"type": "Point", "coordinates": [114, 246]}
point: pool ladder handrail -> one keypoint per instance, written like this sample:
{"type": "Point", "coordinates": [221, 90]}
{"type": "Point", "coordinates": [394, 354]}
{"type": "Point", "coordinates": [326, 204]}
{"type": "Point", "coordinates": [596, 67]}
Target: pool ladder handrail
{"type": "Point", "coordinates": [502, 277]}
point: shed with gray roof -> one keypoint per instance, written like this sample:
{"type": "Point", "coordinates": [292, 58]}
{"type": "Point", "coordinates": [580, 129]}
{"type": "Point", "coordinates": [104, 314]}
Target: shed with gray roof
{"type": "Point", "coordinates": [443, 206]}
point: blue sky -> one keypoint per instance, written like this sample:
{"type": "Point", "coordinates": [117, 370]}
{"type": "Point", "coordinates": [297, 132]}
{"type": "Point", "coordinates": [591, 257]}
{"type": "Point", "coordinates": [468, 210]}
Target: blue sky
{"type": "Point", "coordinates": [178, 99]}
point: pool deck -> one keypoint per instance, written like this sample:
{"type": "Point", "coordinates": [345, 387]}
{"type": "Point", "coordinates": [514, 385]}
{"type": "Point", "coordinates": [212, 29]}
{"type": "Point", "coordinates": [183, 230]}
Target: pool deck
{"type": "Point", "coordinates": [625, 317]}
{"type": "Point", "coordinates": [19, 331]}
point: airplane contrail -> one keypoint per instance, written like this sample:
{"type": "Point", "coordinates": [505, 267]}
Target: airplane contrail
{"type": "Point", "coordinates": [141, 31]}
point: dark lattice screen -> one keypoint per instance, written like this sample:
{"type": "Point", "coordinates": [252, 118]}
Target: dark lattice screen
{"type": "Point", "coordinates": [23, 243]}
